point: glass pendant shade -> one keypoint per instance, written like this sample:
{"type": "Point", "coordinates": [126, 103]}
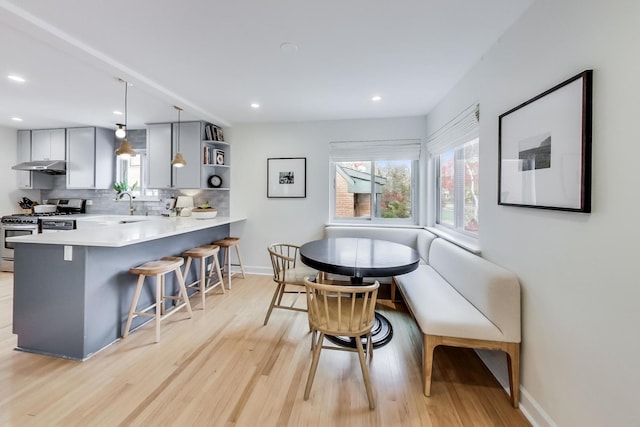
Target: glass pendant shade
{"type": "Point", "coordinates": [125, 151]}
{"type": "Point", "coordinates": [121, 132]}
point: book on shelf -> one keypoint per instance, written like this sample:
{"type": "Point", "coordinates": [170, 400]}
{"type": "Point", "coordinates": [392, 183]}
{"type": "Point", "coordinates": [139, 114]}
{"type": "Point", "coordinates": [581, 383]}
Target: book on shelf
{"type": "Point", "coordinates": [208, 133]}
{"type": "Point", "coordinates": [219, 157]}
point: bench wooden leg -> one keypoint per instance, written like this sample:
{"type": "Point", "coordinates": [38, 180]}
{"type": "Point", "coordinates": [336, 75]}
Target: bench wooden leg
{"type": "Point", "coordinates": [429, 345]}
{"type": "Point", "coordinates": [393, 289]}
{"type": "Point", "coordinates": [513, 364]}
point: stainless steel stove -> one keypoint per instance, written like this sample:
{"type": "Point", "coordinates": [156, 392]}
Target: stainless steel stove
{"type": "Point", "coordinates": [26, 224]}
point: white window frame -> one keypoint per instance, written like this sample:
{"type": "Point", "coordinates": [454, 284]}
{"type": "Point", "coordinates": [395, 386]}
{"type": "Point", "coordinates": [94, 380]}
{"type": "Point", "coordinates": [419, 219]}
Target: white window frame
{"type": "Point", "coordinates": [458, 192]}
{"type": "Point", "coordinates": [375, 151]}
{"type": "Point", "coordinates": [141, 193]}
{"type": "Point", "coordinates": [462, 129]}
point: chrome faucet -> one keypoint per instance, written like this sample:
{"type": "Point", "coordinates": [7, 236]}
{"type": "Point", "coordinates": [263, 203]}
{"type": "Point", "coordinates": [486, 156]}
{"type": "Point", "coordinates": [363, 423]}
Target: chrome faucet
{"type": "Point", "coordinates": [131, 207]}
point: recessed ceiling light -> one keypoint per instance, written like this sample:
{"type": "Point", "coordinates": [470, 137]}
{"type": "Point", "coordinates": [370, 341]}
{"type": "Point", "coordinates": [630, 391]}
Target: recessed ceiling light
{"type": "Point", "coordinates": [16, 119]}
{"type": "Point", "coordinates": [16, 78]}
{"type": "Point", "coordinates": [118, 113]}
{"type": "Point", "coordinates": [255, 105]}
{"type": "Point", "coordinates": [288, 48]}
{"type": "Point", "coordinates": [376, 98]}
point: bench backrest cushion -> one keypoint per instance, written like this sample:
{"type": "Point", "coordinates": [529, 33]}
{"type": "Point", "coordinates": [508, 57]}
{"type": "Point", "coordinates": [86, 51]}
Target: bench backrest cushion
{"type": "Point", "coordinates": [417, 238]}
{"type": "Point", "coordinates": [492, 289]}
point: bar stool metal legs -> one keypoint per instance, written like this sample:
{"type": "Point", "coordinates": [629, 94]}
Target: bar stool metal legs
{"type": "Point", "coordinates": [159, 270]}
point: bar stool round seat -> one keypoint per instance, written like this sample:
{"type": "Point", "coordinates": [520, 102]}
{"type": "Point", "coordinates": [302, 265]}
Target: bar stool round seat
{"type": "Point", "coordinates": [226, 244]}
{"type": "Point", "coordinates": [205, 281]}
{"type": "Point", "coordinates": [158, 269]}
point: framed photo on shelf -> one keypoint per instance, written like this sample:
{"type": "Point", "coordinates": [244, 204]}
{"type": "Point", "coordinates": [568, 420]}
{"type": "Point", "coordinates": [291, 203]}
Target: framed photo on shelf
{"type": "Point", "coordinates": [544, 149]}
{"type": "Point", "coordinates": [287, 177]}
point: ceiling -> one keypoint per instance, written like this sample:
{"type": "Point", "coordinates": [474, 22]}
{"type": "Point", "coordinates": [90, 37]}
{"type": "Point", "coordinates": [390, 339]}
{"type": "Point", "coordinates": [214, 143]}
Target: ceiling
{"type": "Point", "coordinates": [214, 58]}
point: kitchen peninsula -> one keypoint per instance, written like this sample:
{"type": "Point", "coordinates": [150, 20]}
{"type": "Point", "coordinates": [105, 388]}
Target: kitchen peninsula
{"type": "Point", "coordinates": [72, 289]}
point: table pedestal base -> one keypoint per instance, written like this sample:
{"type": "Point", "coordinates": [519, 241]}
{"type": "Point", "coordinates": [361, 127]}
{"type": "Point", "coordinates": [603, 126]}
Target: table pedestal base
{"type": "Point", "coordinates": [381, 334]}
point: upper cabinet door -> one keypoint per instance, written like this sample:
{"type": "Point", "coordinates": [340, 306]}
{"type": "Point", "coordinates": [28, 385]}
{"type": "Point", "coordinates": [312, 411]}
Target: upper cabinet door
{"type": "Point", "coordinates": [188, 176]}
{"type": "Point", "coordinates": [159, 155]}
{"type": "Point", "coordinates": [81, 154]}
{"type": "Point", "coordinates": [48, 144]}
{"type": "Point", "coordinates": [24, 155]}
{"type": "Point", "coordinates": [58, 146]}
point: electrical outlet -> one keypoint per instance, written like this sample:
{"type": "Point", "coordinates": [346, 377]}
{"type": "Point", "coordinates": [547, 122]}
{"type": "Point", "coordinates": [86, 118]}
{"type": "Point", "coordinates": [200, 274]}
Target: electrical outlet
{"type": "Point", "coordinates": [89, 202]}
{"type": "Point", "coordinates": [68, 253]}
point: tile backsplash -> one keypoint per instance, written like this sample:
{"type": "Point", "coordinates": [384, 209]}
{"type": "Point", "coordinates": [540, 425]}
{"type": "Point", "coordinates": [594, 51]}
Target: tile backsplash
{"type": "Point", "coordinates": [104, 201]}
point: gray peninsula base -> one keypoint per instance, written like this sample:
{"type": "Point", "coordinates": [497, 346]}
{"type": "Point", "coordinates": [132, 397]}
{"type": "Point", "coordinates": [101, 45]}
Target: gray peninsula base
{"type": "Point", "coordinates": [73, 309]}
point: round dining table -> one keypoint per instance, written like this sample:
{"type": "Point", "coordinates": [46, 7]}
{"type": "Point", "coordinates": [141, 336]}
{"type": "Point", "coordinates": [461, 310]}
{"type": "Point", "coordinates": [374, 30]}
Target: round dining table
{"type": "Point", "coordinates": [359, 258]}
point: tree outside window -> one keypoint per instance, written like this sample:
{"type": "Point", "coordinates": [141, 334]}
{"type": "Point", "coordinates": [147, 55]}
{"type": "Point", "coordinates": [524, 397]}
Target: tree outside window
{"type": "Point", "coordinates": [458, 173]}
{"type": "Point", "coordinates": [374, 189]}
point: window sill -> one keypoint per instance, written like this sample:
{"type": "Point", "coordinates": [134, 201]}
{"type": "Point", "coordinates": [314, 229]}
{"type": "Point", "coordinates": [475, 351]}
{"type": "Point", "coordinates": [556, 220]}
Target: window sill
{"type": "Point", "coordinates": [464, 241]}
{"type": "Point", "coordinates": [147, 199]}
{"type": "Point", "coordinates": [371, 224]}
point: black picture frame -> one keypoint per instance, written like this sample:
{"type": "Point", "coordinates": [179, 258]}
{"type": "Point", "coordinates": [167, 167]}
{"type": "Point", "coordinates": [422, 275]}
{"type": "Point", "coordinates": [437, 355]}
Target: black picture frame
{"type": "Point", "coordinates": [287, 177]}
{"type": "Point", "coordinates": [544, 149]}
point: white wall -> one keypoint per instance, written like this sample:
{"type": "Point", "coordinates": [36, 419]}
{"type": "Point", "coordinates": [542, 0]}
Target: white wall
{"type": "Point", "coordinates": [579, 272]}
{"type": "Point", "coordinates": [293, 220]}
{"type": "Point", "coordinates": [9, 193]}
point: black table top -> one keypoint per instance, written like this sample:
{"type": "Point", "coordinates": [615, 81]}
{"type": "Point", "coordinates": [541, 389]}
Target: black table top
{"type": "Point", "coordinates": [359, 257]}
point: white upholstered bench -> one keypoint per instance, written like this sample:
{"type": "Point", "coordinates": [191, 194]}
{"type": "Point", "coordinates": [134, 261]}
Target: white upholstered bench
{"type": "Point", "coordinates": [457, 298]}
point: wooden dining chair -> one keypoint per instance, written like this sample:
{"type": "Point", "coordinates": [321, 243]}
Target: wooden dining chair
{"type": "Point", "coordinates": [288, 274]}
{"type": "Point", "coordinates": [345, 311]}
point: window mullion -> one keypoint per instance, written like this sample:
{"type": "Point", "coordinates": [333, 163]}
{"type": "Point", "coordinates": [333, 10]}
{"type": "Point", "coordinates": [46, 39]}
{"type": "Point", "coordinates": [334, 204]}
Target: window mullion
{"type": "Point", "coordinates": [373, 199]}
{"type": "Point", "coordinates": [458, 176]}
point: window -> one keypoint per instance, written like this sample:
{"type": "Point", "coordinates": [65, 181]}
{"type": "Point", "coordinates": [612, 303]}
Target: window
{"type": "Point", "coordinates": [454, 153]}
{"type": "Point", "coordinates": [133, 171]}
{"type": "Point", "coordinates": [457, 180]}
{"type": "Point", "coordinates": [375, 181]}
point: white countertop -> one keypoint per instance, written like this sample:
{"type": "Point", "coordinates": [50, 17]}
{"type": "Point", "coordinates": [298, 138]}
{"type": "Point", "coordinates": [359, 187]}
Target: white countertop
{"type": "Point", "coordinates": [109, 231]}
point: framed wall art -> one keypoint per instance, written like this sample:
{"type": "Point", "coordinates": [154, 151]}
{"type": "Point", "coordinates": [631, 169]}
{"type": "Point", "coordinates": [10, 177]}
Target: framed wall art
{"type": "Point", "coordinates": [544, 149]}
{"type": "Point", "coordinates": [287, 177]}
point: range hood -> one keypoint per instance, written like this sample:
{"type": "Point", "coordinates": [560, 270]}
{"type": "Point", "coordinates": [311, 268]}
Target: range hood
{"type": "Point", "coordinates": [52, 167]}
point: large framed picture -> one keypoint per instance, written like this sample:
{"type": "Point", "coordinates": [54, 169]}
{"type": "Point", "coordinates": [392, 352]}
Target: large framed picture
{"type": "Point", "coordinates": [287, 177]}
{"type": "Point", "coordinates": [544, 149]}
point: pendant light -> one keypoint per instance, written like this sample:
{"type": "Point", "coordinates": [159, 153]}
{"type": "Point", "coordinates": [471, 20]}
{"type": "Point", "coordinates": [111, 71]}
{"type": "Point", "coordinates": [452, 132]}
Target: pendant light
{"type": "Point", "coordinates": [178, 161]}
{"type": "Point", "coordinates": [125, 150]}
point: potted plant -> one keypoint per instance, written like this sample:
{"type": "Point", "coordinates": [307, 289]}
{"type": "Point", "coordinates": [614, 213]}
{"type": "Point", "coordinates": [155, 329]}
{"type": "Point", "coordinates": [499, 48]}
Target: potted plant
{"type": "Point", "coordinates": [204, 211]}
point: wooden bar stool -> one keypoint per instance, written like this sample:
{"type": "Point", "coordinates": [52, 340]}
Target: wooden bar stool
{"type": "Point", "coordinates": [203, 283]}
{"type": "Point", "coordinates": [159, 269]}
{"type": "Point", "coordinates": [226, 244]}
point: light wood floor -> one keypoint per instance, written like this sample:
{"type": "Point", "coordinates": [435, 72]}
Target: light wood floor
{"type": "Point", "coordinates": [223, 367]}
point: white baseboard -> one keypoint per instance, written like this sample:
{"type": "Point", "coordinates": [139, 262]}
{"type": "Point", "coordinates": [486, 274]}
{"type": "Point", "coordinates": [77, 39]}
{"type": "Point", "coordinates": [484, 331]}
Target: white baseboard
{"type": "Point", "coordinates": [262, 271]}
{"type": "Point", "coordinates": [497, 363]}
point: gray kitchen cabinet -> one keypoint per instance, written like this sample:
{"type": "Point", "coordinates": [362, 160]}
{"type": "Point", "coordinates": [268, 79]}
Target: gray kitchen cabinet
{"type": "Point", "coordinates": [190, 137]}
{"type": "Point", "coordinates": [30, 180]}
{"type": "Point", "coordinates": [159, 155]}
{"type": "Point", "coordinates": [90, 158]}
{"type": "Point", "coordinates": [48, 144]}
{"type": "Point", "coordinates": [161, 148]}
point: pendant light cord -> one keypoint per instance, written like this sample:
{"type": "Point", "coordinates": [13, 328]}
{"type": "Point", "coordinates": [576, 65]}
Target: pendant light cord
{"type": "Point", "coordinates": [179, 127]}
{"type": "Point", "coordinates": [125, 102]}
